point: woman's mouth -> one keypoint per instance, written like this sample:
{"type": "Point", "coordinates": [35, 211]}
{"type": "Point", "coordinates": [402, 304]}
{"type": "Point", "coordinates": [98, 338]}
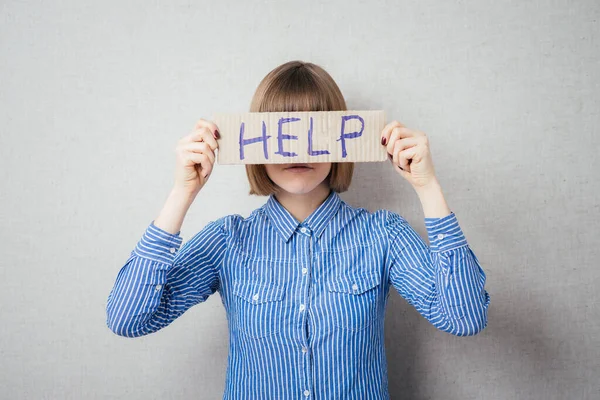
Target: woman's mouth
{"type": "Point", "coordinates": [298, 168]}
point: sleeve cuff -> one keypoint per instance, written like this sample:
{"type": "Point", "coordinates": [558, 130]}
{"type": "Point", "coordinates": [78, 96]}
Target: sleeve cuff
{"type": "Point", "coordinates": [158, 245]}
{"type": "Point", "coordinates": [444, 233]}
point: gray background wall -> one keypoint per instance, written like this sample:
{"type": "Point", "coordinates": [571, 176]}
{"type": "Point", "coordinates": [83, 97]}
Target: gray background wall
{"type": "Point", "coordinates": [94, 95]}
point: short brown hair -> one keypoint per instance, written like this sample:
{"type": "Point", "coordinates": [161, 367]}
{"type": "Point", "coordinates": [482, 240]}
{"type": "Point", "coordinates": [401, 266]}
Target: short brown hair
{"type": "Point", "coordinates": [298, 86]}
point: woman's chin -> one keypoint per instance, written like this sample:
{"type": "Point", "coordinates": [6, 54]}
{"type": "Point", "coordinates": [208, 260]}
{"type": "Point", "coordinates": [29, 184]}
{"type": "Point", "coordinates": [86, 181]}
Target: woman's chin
{"type": "Point", "coordinates": [292, 189]}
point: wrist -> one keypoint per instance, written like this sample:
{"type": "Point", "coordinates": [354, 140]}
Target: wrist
{"type": "Point", "coordinates": [433, 201]}
{"type": "Point", "coordinates": [433, 187]}
{"type": "Point", "coordinates": [173, 212]}
{"type": "Point", "coordinates": [182, 196]}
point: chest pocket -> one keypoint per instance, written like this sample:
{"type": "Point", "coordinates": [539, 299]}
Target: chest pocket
{"type": "Point", "coordinates": [354, 299]}
{"type": "Point", "coordinates": [258, 308]}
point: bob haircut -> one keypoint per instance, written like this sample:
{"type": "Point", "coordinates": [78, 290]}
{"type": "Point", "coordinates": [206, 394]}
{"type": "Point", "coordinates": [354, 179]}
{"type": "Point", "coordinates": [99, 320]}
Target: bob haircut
{"type": "Point", "coordinates": [298, 86]}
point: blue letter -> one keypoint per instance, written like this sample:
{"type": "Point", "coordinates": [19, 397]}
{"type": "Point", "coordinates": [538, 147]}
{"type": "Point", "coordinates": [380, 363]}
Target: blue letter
{"type": "Point", "coordinates": [310, 150]}
{"type": "Point", "coordinates": [262, 138]}
{"type": "Point", "coordinates": [281, 136]}
{"type": "Point", "coordinates": [350, 135]}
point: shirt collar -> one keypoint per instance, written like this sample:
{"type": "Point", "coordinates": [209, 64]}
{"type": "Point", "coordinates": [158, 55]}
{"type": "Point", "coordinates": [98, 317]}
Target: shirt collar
{"type": "Point", "coordinates": [285, 224]}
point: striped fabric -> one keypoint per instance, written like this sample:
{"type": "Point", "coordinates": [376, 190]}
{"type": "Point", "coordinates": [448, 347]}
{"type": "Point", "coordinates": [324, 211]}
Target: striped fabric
{"type": "Point", "coordinates": [305, 302]}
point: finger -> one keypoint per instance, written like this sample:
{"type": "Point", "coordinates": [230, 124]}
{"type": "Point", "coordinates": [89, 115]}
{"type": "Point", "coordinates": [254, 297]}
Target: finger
{"type": "Point", "coordinates": [195, 159]}
{"type": "Point", "coordinates": [396, 156]}
{"type": "Point", "coordinates": [398, 132]}
{"type": "Point", "coordinates": [214, 129]}
{"type": "Point", "coordinates": [405, 156]}
{"type": "Point", "coordinates": [201, 172]}
{"type": "Point", "coordinates": [395, 160]}
{"type": "Point", "coordinates": [207, 137]}
{"type": "Point", "coordinates": [387, 130]}
{"type": "Point", "coordinates": [403, 133]}
{"type": "Point", "coordinates": [202, 160]}
{"type": "Point", "coordinates": [200, 147]}
{"type": "Point", "coordinates": [395, 153]}
{"type": "Point", "coordinates": [405, 175]}
{"type": "Point", "coordinates": [405, 143]}
{"type": "Point", "coordinates": [196, 135]}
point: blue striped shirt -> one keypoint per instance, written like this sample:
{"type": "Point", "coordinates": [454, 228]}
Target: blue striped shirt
{"type": "Point", "coordinates": [305, 302]}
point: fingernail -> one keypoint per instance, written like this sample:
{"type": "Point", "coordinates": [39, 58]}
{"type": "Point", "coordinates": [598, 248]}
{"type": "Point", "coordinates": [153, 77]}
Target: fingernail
{"type": "Point", "coordinates": [383, 141]}
{"type": "Point", "coordinates": [217, 135]}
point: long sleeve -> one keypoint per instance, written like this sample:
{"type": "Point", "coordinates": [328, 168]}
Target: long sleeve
{"type": "Point", "coordinates": [159, 282]}
{"type": "Point", "coordinates": [443, 281]}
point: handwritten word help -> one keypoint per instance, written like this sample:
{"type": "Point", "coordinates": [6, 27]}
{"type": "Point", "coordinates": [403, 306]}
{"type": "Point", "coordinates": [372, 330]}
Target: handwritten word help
{"type": "Point", "coordinates": [282, 137]}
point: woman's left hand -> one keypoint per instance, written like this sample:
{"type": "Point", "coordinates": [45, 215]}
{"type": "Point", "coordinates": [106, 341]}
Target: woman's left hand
{"type": "Point", "coordinates": [408, 150]}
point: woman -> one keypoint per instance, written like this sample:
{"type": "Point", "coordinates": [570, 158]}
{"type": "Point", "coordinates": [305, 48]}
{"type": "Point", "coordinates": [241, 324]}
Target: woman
{"type": "Point", "coordinates": [305, 278]}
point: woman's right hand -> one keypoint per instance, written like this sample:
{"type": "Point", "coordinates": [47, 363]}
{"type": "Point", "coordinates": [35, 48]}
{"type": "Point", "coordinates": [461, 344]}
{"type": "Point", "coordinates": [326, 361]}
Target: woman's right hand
{"type": "Point", "coordinates": [195, 157]}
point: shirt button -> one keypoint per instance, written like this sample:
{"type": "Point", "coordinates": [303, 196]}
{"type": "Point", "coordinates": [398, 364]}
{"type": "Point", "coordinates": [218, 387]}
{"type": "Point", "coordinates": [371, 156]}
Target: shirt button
{"type": "Point", "coordinates": [158, 287]}
{"type": "Point", "coordinates": [441, 236]}
{"type": "Point", "coordinates": [306, 393]}
{"type": "Point", "coordinates": [303, 230]}
{"type": "Point", "coordinates": [304, 270]}
{"type": "Point", "coordinates": [255, 297]}
{"type": "Point", "coordinates": [304, 349]}
{"type": "Point", "coordinates": [355, 287]}
{"type": "Point", "coordinates": [301, 307]}
{"type": "Point", "coordinates": [172, 249]}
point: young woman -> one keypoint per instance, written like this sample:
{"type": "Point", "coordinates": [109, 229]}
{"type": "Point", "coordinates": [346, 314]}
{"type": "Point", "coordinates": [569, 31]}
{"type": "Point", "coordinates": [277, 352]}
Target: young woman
{"type": "Point", "coordinates": [306, 277]}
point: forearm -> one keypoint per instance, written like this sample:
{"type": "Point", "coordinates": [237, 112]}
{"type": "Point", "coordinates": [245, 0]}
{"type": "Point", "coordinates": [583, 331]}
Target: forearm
{"type": "Point", "coordinates": [461, 290]}
{"type": "Point", "coordinates": [443, 280]}
{"type": "Point", "coordinates": [173, 212]}
{"type": "Point", "coordinates": [459, 278]}
{"type": "Point", "coordinates": [433, 201]}
{"type": "Point", "coordinates": [133, 307]}
{"type": "Point", "coordinates": [135, 297]}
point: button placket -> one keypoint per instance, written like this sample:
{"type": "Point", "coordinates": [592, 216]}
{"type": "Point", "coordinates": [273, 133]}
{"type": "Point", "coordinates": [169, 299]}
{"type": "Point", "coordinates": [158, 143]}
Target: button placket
{"type": "Point", "coordinates": [303, 307]}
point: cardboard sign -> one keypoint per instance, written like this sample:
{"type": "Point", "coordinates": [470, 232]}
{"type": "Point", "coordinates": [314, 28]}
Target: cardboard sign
{"type": "Point", "coordinates": [300, 137]}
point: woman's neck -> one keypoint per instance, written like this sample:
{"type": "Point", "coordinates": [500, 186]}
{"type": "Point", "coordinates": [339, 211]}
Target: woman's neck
{"type": "Point", "coordinates": [302, 205]}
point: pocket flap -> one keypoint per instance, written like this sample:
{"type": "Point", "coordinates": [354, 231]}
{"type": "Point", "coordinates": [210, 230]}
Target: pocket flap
{"type": "Point", "coordinates": [257, 291]}
{"type": "Point", "coordinates": [354, 283]}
